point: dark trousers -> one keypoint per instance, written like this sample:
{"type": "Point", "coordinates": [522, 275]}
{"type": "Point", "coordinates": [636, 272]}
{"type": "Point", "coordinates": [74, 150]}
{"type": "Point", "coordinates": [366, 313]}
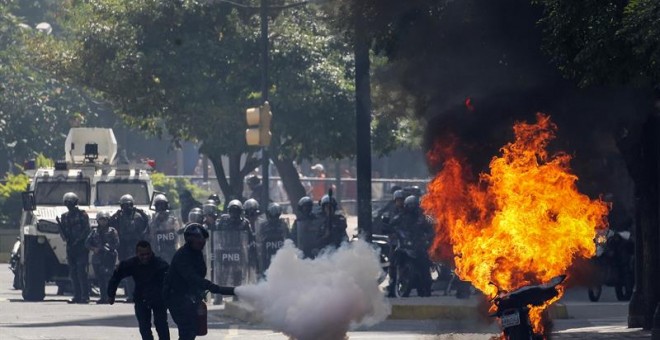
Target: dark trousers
{"type": "Point", "coordinates": [102, 278]}
{"type": "Point", "coordinates": [184, 313]}
{"type": "Point", "coordinates": [78, 263]}
{"type": "Point", "coordinates": [143, 311]}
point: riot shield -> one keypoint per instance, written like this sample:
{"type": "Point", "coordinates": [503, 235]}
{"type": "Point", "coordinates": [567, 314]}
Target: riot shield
{"type": "Point", "coordinates": [308, 236]}
{"type": "Point", "coordinates": [164, 228]}
{"type": "Point", "coordinates": [269, 240]}
{"type": "Point", "coordinates": [231, 260]}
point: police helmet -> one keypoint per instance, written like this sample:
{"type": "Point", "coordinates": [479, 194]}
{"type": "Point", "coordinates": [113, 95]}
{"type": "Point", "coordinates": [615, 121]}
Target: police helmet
{"type": "Point", "coordinates": [215, 198]}
{"type": "Point", "coordinates": [305, 205]}
{"type": "Point", "coordinates": [235, 208]}
{"type": "Point", "coordinates": [195, 229]}
{"type": "Point", "coordinates": [253, 181]}
{"type": "Point", "coordinates": [411, 203]}
{"type": "Point", "coordinates": [399, 195]}
{"type": "Point", "coordinates": [161, 203]}
{"type": "Point", "coordinates": [103, 215]}
{"type": "Point", "coordinates": [210, 208]}
{"type": "Point", "coordinates": [195, 216]}
{"type": "Point", "coordinates": [415, 190]}
{"type": "Point", "coordinates": [326, 199]}
{"type": "Point", "coordinates": [394, 189]}
{"type": "Point", "coordinates": [274, 211]}
{"type": "Point", "coordinates": [70, 198]}
{"type": "Point", "coordinates": [251, 207]}
{"type": "Point", "coordinates": [126, 201]}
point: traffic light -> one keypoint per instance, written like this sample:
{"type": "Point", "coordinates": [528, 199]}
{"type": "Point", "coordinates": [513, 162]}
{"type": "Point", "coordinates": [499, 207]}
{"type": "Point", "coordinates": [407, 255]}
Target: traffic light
{"type": "Point", "coordinates": [258, 121]}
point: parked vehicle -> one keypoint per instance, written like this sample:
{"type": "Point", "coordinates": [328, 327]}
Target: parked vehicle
{"type": "Point", "coordinates": [615, 267]}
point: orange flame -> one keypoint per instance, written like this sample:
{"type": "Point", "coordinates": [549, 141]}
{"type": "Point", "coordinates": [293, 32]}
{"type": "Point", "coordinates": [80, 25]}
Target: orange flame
{"type": "Point", "coordinates": [523, 223]}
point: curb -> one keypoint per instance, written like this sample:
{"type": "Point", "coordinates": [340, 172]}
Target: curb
{"type": "Point", "coordinates": [244, 312]}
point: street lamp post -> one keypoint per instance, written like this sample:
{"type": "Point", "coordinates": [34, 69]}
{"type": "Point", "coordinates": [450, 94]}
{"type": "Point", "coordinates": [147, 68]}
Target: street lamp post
{"type": "Point", "coordinates": [265, 160]}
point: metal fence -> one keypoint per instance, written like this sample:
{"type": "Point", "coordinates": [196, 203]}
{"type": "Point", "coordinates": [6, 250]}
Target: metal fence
{"type": "Point", "coordinates": [345, 189]}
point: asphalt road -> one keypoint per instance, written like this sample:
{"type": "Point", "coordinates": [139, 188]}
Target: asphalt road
{"type": "Point", "coordinates": [55, 319]}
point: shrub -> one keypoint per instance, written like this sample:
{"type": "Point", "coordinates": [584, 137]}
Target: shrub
{"type": "Point", "coordinates": [173, 186]}
{"type": "Point", "coordinates": [11, 202]}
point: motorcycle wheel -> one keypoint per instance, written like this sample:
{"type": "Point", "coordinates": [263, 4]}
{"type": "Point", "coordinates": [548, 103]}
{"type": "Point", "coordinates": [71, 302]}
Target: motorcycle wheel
{"type": "Point", "coordinates": [403, 284]}
{"type": "Point", "coordinates": [624, 291]}
{"type": "Point", "coordinates": [595, 292]}
{"type": "Point", "coordinates": [18, 277]}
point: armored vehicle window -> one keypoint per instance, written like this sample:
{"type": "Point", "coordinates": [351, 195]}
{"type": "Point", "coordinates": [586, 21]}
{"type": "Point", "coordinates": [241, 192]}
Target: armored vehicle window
{"type": "Point", "coordinates": [108, 193]}
{"type": "Point", "coordinates": [51, 192]}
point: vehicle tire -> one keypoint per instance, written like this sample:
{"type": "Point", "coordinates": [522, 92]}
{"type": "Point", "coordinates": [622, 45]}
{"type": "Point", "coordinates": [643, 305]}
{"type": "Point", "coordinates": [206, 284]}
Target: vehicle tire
{"type": "Point", "coordinates": [595, 292]}
{"type": "Point", "coordinates": [403, 284]}
{"type": "Point", "coordinates": [18, 277]}
{"type": "Point", "coordinates": [624, 291]}
{"type": "Point", "coordinates": [34, 271]}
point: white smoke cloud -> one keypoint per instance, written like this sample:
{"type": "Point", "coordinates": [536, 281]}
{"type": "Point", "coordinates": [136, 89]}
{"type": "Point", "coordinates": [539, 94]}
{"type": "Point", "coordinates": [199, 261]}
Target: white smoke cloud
{"type": "Point", "coordinates": [320, 299]}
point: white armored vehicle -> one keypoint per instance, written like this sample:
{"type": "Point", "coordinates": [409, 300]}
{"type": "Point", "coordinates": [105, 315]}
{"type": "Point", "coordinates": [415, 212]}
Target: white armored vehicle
{"type": "Point", "coordinates": [91, 171]}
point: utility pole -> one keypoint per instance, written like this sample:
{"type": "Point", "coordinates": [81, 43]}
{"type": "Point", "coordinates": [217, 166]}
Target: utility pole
{"type": "Point", "coordinates": [265, 159]}
{"type": "Point", "coordinates": [363, 122]}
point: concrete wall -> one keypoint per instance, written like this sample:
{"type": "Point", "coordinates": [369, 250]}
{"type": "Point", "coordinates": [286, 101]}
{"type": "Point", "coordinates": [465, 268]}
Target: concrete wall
{"type": "Point", "coordinates": [7, 239]}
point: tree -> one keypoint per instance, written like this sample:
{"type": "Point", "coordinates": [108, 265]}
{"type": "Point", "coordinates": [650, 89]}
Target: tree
{"type": "Point", "coordinates": [35, 108]}
{"type": "Point", "coordinates": [618, 42]}
{"type": "Point", "coordinates": [192, 69]}
{"type": "Point", "coordinates": [598, 42]}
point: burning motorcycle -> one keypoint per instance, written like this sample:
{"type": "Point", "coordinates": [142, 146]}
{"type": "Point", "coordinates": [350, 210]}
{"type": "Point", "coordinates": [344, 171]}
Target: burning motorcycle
{"type": "Point", "coordinates": [513, 308]}
{"type": "Point", "coordinates": [15, 263]}
{"type": "Point", "coordinates": [614, 262]}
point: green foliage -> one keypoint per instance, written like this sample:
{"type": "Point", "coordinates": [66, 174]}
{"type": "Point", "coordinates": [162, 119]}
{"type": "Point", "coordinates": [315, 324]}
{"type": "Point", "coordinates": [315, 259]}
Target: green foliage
{"type": "Point", "coordinates": [44, 162]}
{"type": "Point", "coordinates": [171, 187]}
{"type": "Point", "coordinates": [601, 42]}
{"type": "Point", "coordinates": [140, 53]}
{"type": "Point", "coordinates": [11, 205]}
{"type": "Point", "coordinates": [34, 106]}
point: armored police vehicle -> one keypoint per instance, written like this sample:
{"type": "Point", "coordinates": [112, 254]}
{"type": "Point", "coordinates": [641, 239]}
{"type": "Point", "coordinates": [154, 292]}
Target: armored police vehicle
{"type": "Point", "coordinates": [91, 171]}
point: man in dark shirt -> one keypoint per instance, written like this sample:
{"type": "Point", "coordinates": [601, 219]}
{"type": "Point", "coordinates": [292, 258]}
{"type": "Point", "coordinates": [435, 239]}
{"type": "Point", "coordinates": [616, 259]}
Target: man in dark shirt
{"type": "Point", "coordinates": [148, 271]}
{"type": "Point", "coordinates": [185, 285]}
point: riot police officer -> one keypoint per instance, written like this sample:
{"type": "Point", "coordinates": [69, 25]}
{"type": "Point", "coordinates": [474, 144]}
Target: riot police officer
{"type": "Point", "coordinates": [185, 285]}
{"type": "Point", "coordinates": [389, 211]}
{"type": "Point", "coordinates": [132, 225]}
{"type": "Point", "coordinates": [306, 232]}
{"type": "Point", "coordinates": [103, 241]}
{"type": "Point", "coordinates": [419, 229]}
{"type": "Point", "coordinates": [235, 248]}
{"type": "Point", "coordinates": [251, 209]}
{"type": "Point", "coordinates": [333, 231]}
{"type": "Point", "coordinates": [270, 238]}
{"type": "Point", "coordinates": [74, 229]}
{"type": "Point", "coordinates": [163, 228]}
{"type": "Point", "coordinates": [210, 212]}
